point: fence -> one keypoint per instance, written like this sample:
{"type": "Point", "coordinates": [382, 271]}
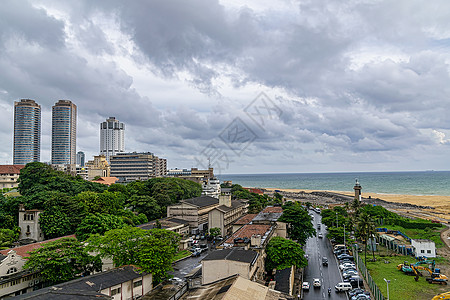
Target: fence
{"type": "Point", "coordinates": [377, 295]}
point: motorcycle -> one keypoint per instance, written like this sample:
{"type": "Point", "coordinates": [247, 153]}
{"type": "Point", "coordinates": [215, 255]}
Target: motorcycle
{"type": "Point", "coordinates": [329, 292]}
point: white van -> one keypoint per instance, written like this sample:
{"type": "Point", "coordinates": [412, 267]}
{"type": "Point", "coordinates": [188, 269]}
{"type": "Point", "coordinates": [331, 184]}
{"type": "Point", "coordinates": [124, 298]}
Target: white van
{"type": "Point", "coordinates": [343, 286]}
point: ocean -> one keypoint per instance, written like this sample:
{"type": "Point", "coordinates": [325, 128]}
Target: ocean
{"type": "Point", "coordinates": [407, 183]}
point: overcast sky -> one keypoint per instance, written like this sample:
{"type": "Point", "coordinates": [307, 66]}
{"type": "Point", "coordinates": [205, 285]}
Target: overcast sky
{"type": "Point", "coordinates": [266, 86]}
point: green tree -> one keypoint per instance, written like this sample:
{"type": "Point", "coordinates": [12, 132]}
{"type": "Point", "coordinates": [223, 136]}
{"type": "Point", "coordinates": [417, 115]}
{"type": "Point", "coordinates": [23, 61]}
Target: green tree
{"type": "Point", "coordinates": [278, 198]}
{"type": "Point", "coordinates": [283, 253]}
{"type": "Point", "coordinates": [98, 224]}
{"type": "Point", "coordinates": [365, 229]}
{"type": "Point", "coordinates": [62, 260]}
{"type": "Point", "coordinates": [146, 205]}
{"type": "Point", "coordinates": [300, 227]}
{"type": "Point", "coordinates": [8, 236]}
{"type": "Point", "coordinates": [106, 202]}
{"type": "Point", "coordinates": [215, 231]}
{"type": "Point", "coordinates": [152, 250]}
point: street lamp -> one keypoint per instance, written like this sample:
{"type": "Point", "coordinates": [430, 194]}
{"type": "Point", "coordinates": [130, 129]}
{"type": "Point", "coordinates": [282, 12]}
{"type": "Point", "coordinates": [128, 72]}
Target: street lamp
{"type": "Point", "coordinates": [337, 222]}
{"type": "Point", "coordinates": [387, 284]}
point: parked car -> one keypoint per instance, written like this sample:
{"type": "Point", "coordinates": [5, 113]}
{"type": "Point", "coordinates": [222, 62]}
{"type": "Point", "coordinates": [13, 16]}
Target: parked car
{"type": "Point", "coordinates": [344, 256]}
{"type": "Point", "coordinates": [355, 292]}
{"type": "Point", "coordinates": [316, 282]}
{"type": "Point", "coordinates": [324, 261]}
{"type": "Point", "coordinates": [360, 297]}
{"type": "Point", "coordinates": [347, 275]}
{"type": "Point", "coordinates": [196, 253]}
{"type": "Point", "coordinates": [320, 235]}
{"type": "Point", "coordinates": [349, 269]}
{"type": "Point", "coordinates": [343, 287]}
{"type": "Point", "coordinates": [356, 281]}
{"type": "Point", "coordinates": [340, 251]}
{"type": "Point", "coordinates": [305, 285]}
{"type": "Point", "coordinates": [346, 265]}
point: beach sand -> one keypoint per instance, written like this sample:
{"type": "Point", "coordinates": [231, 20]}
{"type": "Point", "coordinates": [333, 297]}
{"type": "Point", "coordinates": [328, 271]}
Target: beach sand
{"type": "Point", "coordinates": [440, 203]}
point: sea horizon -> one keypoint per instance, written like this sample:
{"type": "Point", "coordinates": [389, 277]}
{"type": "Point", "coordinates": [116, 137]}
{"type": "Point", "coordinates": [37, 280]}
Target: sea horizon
{"type": "Point", "coordinates": [421, 183]}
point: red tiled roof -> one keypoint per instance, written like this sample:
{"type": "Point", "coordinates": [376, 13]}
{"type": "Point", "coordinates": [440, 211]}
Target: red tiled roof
{"type": "Point", "coordinates": [23, 250]}
{"type": "Point", "coordinates": [11, 169]}
{"type": "Point", "coordinates": [255, 190]}
{"type": "Point", "coordinates": [248, 230]}
{"type": "Point", "coordinates": [106, 180]}
{"type": "Point", "coordinates": [245, 219]}
{"type": "Point", "coordinates": [273, 209]}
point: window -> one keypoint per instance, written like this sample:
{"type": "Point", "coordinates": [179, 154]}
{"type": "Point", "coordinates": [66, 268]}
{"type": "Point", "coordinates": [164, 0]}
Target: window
{"type": "Point", "coordinates": [115, 291]}
{"type": "Point", "coordinates": [137, 283]}
{"type": "Point", "coordinates": [428, 251]}
{"type": "Point", "coordinates": [28, 229]}
{"type": "Point", "coordinates": [11, 270]}
{"type": "Point", "coordinates": [422, 251]}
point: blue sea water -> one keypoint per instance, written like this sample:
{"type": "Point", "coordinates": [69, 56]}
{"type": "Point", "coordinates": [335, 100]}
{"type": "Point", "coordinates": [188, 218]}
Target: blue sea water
{"type": "Point", "coordinates": [408, 183]}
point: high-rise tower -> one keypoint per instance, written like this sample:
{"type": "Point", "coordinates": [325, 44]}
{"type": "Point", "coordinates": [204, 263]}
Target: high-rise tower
{"type": "Point", "coordinates": [64, 132]}
{"type": "Point", "coordinates": [27, 132]}
{"type": "Point", "coordinates": [111, 137]}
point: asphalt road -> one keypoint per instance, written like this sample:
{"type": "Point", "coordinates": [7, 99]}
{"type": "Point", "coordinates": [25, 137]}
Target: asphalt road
{"type": "Point", "coordinates": [185, 266]}
{"type": "Point", "coordinates": [329, 276]}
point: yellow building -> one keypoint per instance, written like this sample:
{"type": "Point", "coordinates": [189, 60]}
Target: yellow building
{"type": "Point", "coordinates": [98, 167]}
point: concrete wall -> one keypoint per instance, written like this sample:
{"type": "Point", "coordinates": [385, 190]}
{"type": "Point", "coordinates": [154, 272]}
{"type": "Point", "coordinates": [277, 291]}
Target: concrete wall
{"type": "Point", "coordinates": [216, 219]}
{"type": "Point", "coordinates": [127, 290]}
{"type": "Point", "coordinates": [213, 270]}
{"type": "Point", "coordinates": [424, 248]}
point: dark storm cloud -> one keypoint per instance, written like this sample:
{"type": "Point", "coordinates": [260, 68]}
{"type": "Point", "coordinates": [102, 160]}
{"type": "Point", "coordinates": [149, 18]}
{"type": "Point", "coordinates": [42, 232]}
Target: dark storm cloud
{"type": "Point", "coordinates": [354, 80]}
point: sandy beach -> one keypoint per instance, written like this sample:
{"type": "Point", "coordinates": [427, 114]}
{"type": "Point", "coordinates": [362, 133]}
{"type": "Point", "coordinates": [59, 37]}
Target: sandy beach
{"type": "Point", "coordinates": [441, 204]}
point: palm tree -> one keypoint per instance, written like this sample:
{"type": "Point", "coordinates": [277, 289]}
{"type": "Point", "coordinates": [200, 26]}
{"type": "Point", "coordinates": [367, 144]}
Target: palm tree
{"type": "Point", "coordinates": [365, 228]}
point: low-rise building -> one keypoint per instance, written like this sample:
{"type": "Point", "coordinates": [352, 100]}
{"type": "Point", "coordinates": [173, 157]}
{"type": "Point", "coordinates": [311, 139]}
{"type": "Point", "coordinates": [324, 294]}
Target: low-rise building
{"type": "Point", "coordinates": [106, 180]}
{"type": "Point", "coordinates": [125, 282]}
{"type": "Point", "coordinates": [270, 215]}
{"type": "Point", "coordinates": [211, 187]}
{"type": "Point", "coordinates": [14, 280]}
{"type": "Point", "coordinates": [98, 167]}
{"type": "Point", "coordinates": [422, 247]}
{"type": "Point", "coordinates": [30, 228]}
{"type": "Point", "coordinates": [9, 175]}
{"type": "Point", "coordinates": [224, 215]}
{"type": "Point", "coordinates": [195, 211]}
{"type": "Point", "coordinates": [173, 224]}
{"type": "Point", "coordinates": [284, 280]}
{"type": "Point", "coordinates": [234, 287]}
{"type": "Point", "coordinates": [226, 262]}
{"type": "Point", "coordinates": [244, 220]}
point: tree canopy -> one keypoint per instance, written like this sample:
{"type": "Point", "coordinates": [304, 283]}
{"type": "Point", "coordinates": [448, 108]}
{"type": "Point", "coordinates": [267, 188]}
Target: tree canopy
{"type": "Point", "coordinates": [283, 253]}
{"type": "Point", "coordinates": [62, 260]}
{"type": "Point", "coordinates": [300, 226]}
{"type": "Point", "coordinates": [151, 250]}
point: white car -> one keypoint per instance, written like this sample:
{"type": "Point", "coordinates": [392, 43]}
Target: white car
{"type": "Point", "coordinates": [346, 265]}
{"type": "Point", "coordinates": [320, 235]}
{"type": "Point", "coordinates": [305, 285]}
{"type": "Point", "coordinates": [316, 282]}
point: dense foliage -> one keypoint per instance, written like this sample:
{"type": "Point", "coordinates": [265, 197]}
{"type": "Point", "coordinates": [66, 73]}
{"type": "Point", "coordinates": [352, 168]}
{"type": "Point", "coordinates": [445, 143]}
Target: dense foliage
{"type": "Point", "coordinates": [151, 250]}
{"type": "Point", "coordinates": [283, 253]}
{"type": "Point", "coordinates": [71, 204]}
{"type": "Point", "coordinates": [300, 226]}
{"type": "Point", "coordinates": [256, 202]}
{"type": "Point", "coordinates": [62, 260]}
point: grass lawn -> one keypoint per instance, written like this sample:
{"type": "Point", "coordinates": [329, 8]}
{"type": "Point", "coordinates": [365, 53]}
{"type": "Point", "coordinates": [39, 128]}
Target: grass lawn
{"type": "Point", "coordinates": [402, 286]}
{"type": "Point", "coordinates": [429, 234]}
{"type": "Point", "coordinates": [181, 254]}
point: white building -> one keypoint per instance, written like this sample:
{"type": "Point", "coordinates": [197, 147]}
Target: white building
{"type": "Point", "coordinates": [112, 141]}
{"type": "Point", "coordinates": [423, 248]}
{"type": "Point", "coordinates": [30, 228]}
{"type": "Point", "coordinates": [211, 188]}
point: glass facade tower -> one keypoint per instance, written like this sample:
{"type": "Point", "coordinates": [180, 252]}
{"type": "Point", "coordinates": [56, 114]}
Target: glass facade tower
{"type": "Point", "coordinates": [64, 132]}
{"type": "Point", "coordinates": [27, 132]}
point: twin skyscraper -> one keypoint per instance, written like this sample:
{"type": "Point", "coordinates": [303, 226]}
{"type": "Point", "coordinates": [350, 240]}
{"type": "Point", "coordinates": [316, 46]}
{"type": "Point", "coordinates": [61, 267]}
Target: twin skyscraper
{"type": "Point", "coordinates": [27, 133]}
